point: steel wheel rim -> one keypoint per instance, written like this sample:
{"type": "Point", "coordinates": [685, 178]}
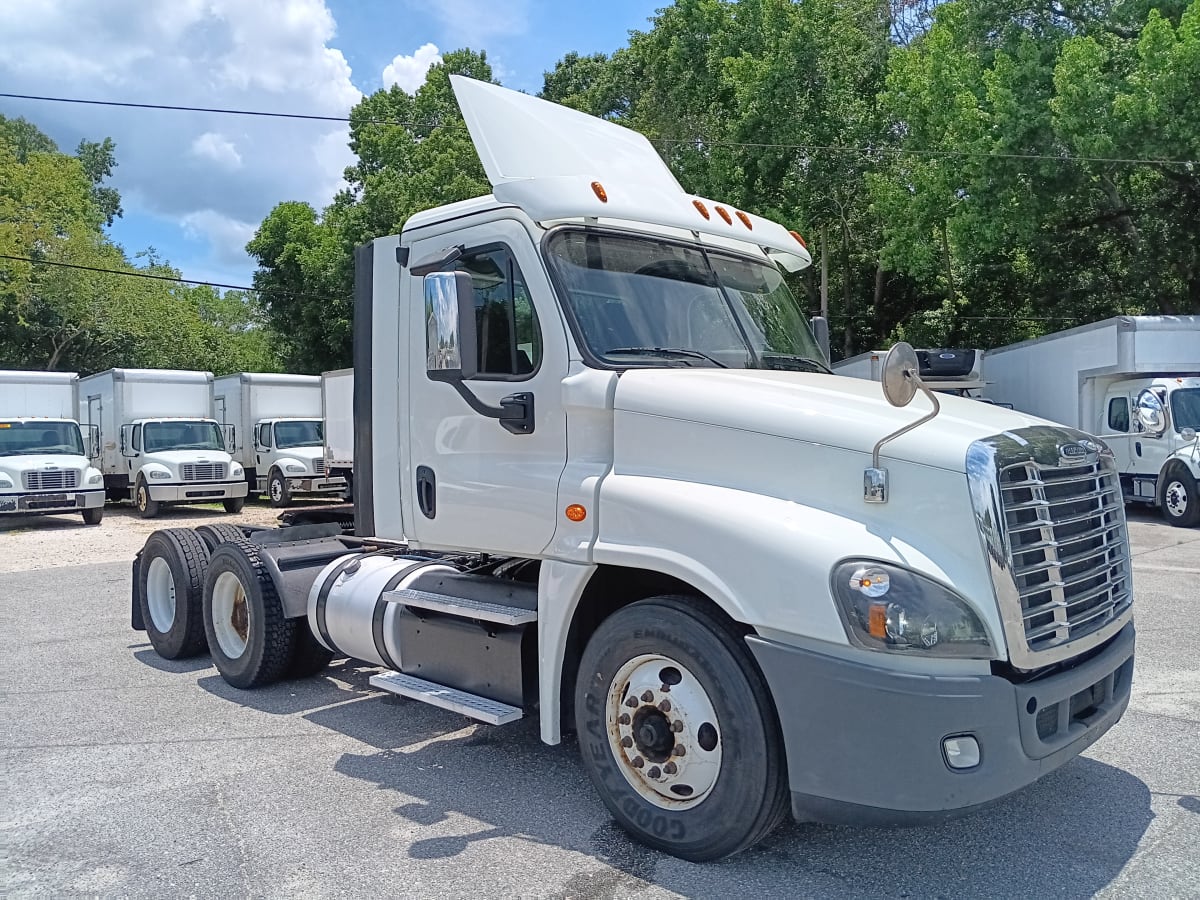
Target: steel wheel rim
{"type": "Point", "coordinates": [276, 489]}
{"type": "Point", "coordinates": [160, 594]}
{"type": "Point", "coordinates": [664, 732]}
{"type": "Point", "coordinates": [1177, 498]}
{"type": "Point", "coordinates": [143, 498]}
{"type": "Point", "coordinates": [230, 615]}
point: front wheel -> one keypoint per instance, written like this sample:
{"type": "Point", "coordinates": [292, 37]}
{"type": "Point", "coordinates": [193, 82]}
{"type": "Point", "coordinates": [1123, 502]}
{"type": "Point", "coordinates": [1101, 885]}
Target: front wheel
{"type": "Point", "coordinates": [1180, 503]}
{"type": "Point", "coordinates": [93, 515]}
{"type": "Point", "coordinates": [678, 731]}
{"type": "Point", "coordinates": [279, 490]}
{"type": "Point", "coordinates": [233, 504]}
{"type": "Point", "coordinates": [146, 507]}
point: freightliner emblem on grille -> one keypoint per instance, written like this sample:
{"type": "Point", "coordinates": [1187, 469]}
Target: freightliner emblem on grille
{"type": "Point", "coordinates": [1075, 453]}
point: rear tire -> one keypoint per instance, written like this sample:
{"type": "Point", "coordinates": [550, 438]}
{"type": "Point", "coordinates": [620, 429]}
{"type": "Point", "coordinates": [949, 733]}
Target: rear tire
{"type": "Point", "coordinates": [171, 592]}
{"type": "Point", "coordinates": [218, 533]}
{"type": "Point", "coordinates": [93, 515]}
{"type": "Point", "coordinates": [279, 490]}
{"type": "Point", "coordinates": [308, 657]}
{"type": "Point", "coordinates": [728, 787]}
{"type": "Point", "coordinates": [233, 504]}
{"type": "Point", "coordinates": [146, 507]}
{"type": "Point", "coordinates": [251, 640]}
{"type": "Point", "coordinates": [1180, 498]}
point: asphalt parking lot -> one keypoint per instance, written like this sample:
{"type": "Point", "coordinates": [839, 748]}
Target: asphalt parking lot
{"type": "Point", "coordinates": [127, 775]}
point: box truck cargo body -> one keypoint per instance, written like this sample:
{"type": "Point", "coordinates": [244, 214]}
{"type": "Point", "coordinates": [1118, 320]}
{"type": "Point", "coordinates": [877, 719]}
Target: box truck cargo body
{"type": "Point", "coordinates": [44, 464]}
{"type": "Point", "coordinates": [158, 440]}
{"type": "Point", "coordinates": [337, 409]}
{"type": "Point", "coordinates": [273, 427]}
{"type": "Point", "coordinates": [1132, 380]}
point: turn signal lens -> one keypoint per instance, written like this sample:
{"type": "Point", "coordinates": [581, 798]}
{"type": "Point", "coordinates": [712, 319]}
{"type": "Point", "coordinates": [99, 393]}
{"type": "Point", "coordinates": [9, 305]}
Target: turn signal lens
{"type": "Point", "coordinates": [576, 513]}
{"type": "Point", "coordinates": [870, 581]}
{"type": "Point", "coordinates": [877, 620]}
{"type": "Point", "coordinates": [745, 220]}
{"type": "Point", "coordinates": [598, 190]}
{"type": "Point", "coordinates": [800, 239]}
{"type": "Point", "coordinates": [724, 214]}
{"type": "Point", "coordinates": [701, 208]}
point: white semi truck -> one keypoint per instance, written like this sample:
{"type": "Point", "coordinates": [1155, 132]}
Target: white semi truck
{"type": "Point", "coordinates": [604, 479]}
{"type": "Point", "coordinates": [337, 411]}
{"type": "Point", "coordinates": [44, 464]}
{"type": "Point", "coordinates": [1133, 380]}
{"type": "Point", "coordinates": [273, 428]}
{"type": "Point", "coordinates": [159, 443]}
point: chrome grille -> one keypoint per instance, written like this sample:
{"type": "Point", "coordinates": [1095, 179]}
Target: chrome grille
{"type": "Point", "coordinates": [319, 466]}
{"type": "Point", "coordinates": [52, 480]}
{"type": "Point", "coordinates": [1067, 547]}
{"type": "Point", "coordinates": [203, 471]}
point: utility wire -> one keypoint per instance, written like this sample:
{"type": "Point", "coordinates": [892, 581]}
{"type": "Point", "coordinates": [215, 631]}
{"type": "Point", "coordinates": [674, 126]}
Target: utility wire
{"type": "Point", "coordinates": [698, 142]}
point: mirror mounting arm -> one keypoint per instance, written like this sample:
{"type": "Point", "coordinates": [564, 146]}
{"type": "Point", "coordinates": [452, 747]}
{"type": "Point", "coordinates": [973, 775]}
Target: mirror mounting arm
{"type": "Point", "coordinates": [515, 411]}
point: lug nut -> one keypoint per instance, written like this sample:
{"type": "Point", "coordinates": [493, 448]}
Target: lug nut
{"type": "Point", "coordinates": [677, 726]}
{"type": "Point", "coordinates": [623, 719]}
{"type": "Point", "coordinates": [670, 768]}
{"type": "Point", "coordinates": [638, 762]}
{"type": "Point", "coordinates": [654, 772]}
{"type": "Point", "coordinates": [647, 696]}
{"type": "Point", "coordinates": [632, 702]}
{"type": "Point", "coordinates": [665, 706]}
{"type": "Point", "coordinates": [627, 741]}
{"type": "Point", "coordinates": [679, 750]}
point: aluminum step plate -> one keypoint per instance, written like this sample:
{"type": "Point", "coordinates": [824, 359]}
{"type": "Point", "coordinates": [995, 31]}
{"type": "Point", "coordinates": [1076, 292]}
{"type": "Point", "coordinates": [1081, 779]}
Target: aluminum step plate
{"type": "Point", "coordinates": [461, 606]}
{"type": "Point", "coordinates": [472, 705]}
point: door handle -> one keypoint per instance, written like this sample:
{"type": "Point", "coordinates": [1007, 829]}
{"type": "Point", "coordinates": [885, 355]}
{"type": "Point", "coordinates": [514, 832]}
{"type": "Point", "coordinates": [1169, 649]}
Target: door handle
{"type": "Point", "coordinates": [1137, 446]}
{"type": "Point", "coordinates": [426, 491]}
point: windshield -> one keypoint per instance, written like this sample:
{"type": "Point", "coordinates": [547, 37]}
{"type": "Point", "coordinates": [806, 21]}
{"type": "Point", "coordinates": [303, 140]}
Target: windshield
{"type": "Point", "coordinates": [298, 434]}
{"type": "Point", "coordinates": [650, 301]}
{"type": "Point", "coordinates": [160, 436]}
{"type": "Point", "coordinates": [21, 438]}
{"type": "Point", "coordinates": [1185, 408]}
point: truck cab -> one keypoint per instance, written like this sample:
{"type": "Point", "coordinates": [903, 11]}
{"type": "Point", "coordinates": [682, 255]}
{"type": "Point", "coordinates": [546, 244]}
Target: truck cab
{"type": "Point", "coordinates": [1152, 426]}
{"type": "Point", "coordinates": [289, 456]}
{"type": "Point", "coordinates": [44, 468]}
{"type": "Point", "coordinates": [179, 460]}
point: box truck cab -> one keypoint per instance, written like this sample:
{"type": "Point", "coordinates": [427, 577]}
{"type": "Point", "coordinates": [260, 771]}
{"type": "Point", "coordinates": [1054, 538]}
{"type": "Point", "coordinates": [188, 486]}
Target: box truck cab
{"type": "Point", "coordinates": [273, 428]}
{"type": "Point", "coordinates": [44, 458]}
{"type": "Point", "coordinates": [604, 478]}
{"type": "Point", "coordinates": [159, 443]}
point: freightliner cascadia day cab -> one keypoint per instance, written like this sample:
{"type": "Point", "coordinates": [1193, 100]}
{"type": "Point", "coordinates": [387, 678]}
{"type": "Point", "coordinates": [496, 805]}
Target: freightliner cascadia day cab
{"type": "Point", "coordinates": [1133, 380]}
{"type": "Point", "coordinates": [337, 411]}
{"type": "Point", "coordinates": [273, 428]}
{"type": "Point", "coordinates": [44, 465]}
{"type": "Point", "coordinates": [604, 478]}
{"type": "Point", "coordinates": [158, 440]}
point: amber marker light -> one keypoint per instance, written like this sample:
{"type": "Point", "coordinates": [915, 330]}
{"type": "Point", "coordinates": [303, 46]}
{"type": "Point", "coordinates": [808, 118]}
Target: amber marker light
{"type": "Point", "coordinates": [800, 239]}
{"type": "Point", "coordinates": [701, 208]}
{"type": "Point", "coordinates": [877, 620]}
{"type": "Point", "coordinates": [599, 191]}
{"type": "Point", "coordinates": [576, 513]}
{"type": "Point", "coordinates": [724, 214]}
{"type": "Point", "coordinates": [745, 220]}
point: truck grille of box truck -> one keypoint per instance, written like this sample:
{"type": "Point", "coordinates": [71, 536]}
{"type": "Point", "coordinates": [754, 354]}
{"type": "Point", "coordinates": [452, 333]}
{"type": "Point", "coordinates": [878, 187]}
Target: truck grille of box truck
{"type": "Point", "coordinates": [52, 480]}
{"type": "Point", "coordinates": [203, 471]}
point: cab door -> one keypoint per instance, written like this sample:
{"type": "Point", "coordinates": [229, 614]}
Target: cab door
{"type": "Point", "coordinates": [470, 483]}
{"type": "Point", "coordinates": [1116, 426]}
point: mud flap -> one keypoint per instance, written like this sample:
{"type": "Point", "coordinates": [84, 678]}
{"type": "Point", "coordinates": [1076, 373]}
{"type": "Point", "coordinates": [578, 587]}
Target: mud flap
{"type": "Point", "coordinates": [135, 615]}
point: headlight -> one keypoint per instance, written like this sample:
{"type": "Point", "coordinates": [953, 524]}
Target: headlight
{"type": "Point", "coordinates": [292, 467]}
{"type": "Point", "coordinates": [885, 607]}
{"type": "Point", "coordinates": [158, 473]}
{"type": "Point", "coordinates": [95, 479]}
{"type": "Point", "coordinates": [235, 469]}
{"type": "Point", "coordinates": [5, 481]}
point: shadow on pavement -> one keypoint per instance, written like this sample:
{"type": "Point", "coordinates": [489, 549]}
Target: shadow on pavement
{"type": "Point", "coordinates": [149, 658]}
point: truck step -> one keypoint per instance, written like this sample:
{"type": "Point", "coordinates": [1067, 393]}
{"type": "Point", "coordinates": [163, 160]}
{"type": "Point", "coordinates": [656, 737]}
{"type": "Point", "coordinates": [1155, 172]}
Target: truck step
{"type": "Point", "coordinates": [471, 705]}
{"type": "Point", "coordinates": [461, 606]}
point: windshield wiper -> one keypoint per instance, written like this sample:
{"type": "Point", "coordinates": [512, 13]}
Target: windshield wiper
{"type": "Point", "coordinates": [666, 352]}
{"type": "Point", "coordinates": [792, 363]}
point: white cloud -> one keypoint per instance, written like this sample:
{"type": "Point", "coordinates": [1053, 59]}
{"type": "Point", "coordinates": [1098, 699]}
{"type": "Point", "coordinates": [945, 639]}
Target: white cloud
{"type": "Point", "coordinates": [209, 172]}
{"type": "Point", "coordinates": [475, 23]}
{"type": "Point", "coordinates": [226, 237]}
{"type": "Point", "coordinates": [409, 71]}
{"type": "Point", "coordinates": [218, 148]}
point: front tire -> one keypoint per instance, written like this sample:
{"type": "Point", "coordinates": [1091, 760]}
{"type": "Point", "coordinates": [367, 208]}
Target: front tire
{"type": "Point", "coordinates": [93, 515]}
{"type": "Point", "coordinates": [170, 592]}
{"type": "Point", "coordinates": [250, 639]}
{"type": "Point", "coordinates": [678, 732]}
{"type": "Point", "coordinates": [1180, 498]}
{"type": "Point", "coordinates": [279, 490]}
{"type": "Point", "coordinates": [146, 507]}
{"type": "Point", "coordinates": [233, 504]}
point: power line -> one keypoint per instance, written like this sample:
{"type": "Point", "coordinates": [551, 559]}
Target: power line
{"type": "Point", "coordinates": [698, 142]}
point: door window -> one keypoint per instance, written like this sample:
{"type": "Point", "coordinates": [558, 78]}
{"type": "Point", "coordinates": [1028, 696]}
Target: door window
{"type": "Point", "coordinates": [264, 435]}
{"type": "Point", "coordinates": [1118, 414]}
{"type": "Point", "coordinates": [137, 437]}
{"type": "Point", "coordinates": [506, 326]}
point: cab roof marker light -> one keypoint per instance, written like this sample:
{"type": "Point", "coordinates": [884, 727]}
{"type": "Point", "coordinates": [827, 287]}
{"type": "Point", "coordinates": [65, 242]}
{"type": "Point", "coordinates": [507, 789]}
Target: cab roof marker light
{"type": "Point", "coordinates": [598, 190]}
{"type": "Point", "coordinates": [702, 209]}
{"type": "Point", "coordinates": [745, 219]}
{"type": "Point", "coordinates": [796, 235]}
{"type": "Point", "coordinates": [724, 214]}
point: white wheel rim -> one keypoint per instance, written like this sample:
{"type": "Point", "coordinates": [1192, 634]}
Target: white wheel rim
{"type": "Point", "coordinates": [230, 614]}
{"type": "Point", "coordinates": [143, 498]}
{"type": "Point", "coordinates": [276, 489]}
{"type": "Point", "coordinates": [1177, 498]}
{"type": "Point", "coordinates": [664, 732]}
{"type": "Point", "coordinates": [160, 594]}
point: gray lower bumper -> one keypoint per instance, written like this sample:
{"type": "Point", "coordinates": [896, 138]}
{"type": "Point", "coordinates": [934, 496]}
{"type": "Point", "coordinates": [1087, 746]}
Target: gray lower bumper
{"type": "Point", "coordinates": [51, 502]}
{"type": "Point", "coordinates": [197, 491]}
{"type": "Point", "coordinates": [864, 744]}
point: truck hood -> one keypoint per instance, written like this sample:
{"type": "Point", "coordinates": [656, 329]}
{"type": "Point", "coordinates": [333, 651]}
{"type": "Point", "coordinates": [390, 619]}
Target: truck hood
{"type": "Point", "coordinates": [11, 465]}
{"type": "Point", "coordinates": [829, 410]}
{"type": "Point", "coordinates": [176, 457]}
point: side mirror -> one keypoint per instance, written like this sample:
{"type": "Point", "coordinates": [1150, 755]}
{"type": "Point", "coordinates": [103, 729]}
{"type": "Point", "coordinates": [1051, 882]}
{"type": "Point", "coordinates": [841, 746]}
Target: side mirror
{"type": "Point", "coordinates": [127, 441]}
{"type": "Point", "coordinates": [820, 327]}
{"type": "Point", "coordinates": [1188, 434]}
{"type": "Point", "coordinates": [451, 350]}
{"type": "Point", "coordinates": [1150, 413]}
{"type": "Point", "coordinates": [901, 379]}
{"type": "Point", "coordinates": [92, 441]}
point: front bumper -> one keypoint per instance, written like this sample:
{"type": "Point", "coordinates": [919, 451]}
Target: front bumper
{"type": "Point", "coordinates": [197, 491]}
{"type": "Point", "coordinates": [316, 485]}
{"type": "Point", "coordinates": [864, 744]}
{"type": "Point", "coordinates": [51, 502]}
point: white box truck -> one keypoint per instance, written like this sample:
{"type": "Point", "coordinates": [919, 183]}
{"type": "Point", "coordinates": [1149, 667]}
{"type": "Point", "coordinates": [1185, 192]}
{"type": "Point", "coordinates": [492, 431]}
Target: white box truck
{"type": "Point", "coordinates": [44, 459]}
{"type": "Point", "coordinates": [273, 427]}
{"type": "Point", "coordinates": [948, 370]}
{"type": "Point", "coordinates": [337, 411]}
{"type": "Point", "coordinates": [159, 443]}
{"type": "Point", "coordinates": [1133, 380]}
{"type": "Point", "coordinates": [603, 478]}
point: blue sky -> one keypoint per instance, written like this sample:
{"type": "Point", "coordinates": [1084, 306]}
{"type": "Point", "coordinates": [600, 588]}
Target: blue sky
{"type": "Point", "coordinates": [195, 185]}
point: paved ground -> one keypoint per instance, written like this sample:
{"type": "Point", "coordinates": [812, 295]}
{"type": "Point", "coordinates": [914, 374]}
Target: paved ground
{"type": "Point", "coordinates": [125, 775]}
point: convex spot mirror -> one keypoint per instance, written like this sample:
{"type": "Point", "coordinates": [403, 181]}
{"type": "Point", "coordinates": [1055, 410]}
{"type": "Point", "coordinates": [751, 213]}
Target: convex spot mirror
{"type": "Point", "coordinates": [451, 351]}
{"type": "Point", "coordinates": [1150, 413]}
{"type": "Point", "coordinates": [901, 374]}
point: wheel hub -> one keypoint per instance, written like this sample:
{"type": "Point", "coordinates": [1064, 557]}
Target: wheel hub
{"type": "Point", "coordinates": [1177, 499]}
